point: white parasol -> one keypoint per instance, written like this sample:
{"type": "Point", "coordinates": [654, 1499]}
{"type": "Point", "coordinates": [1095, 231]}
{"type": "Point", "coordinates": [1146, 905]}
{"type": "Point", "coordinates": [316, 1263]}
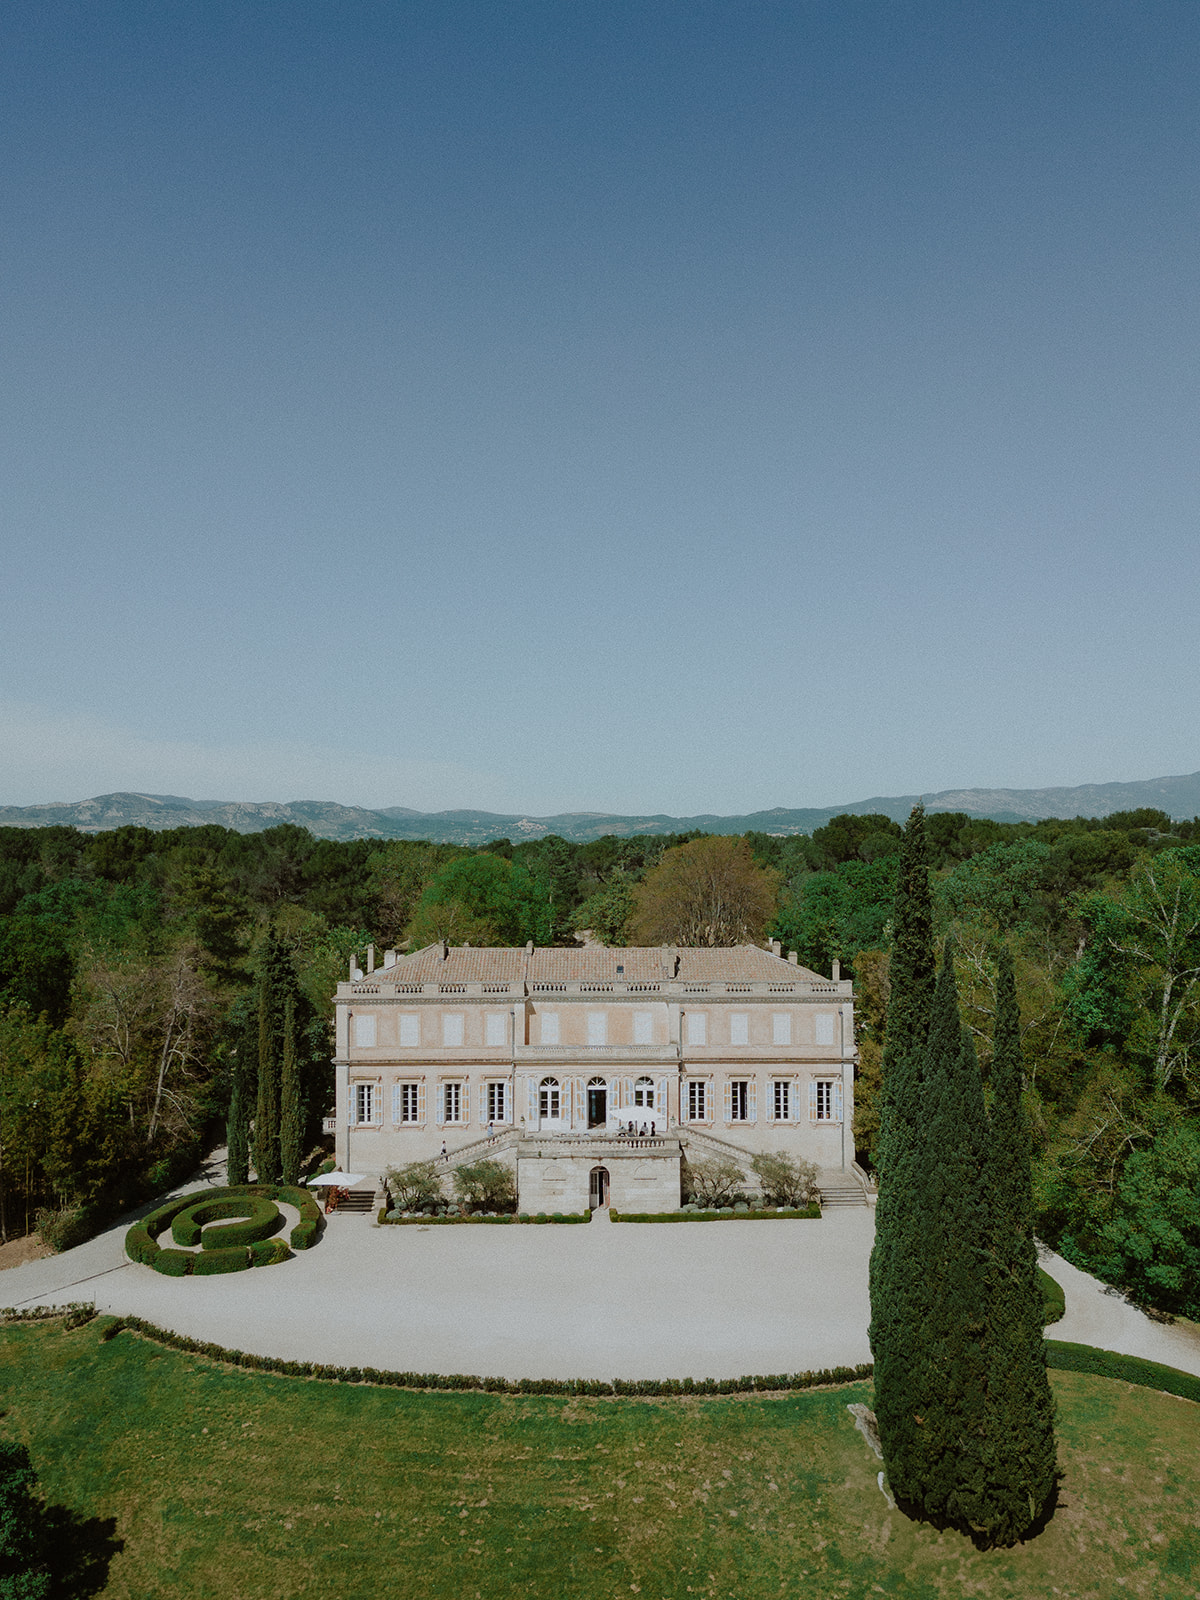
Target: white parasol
{"type": "Point", "coordinates": [335, 1180]}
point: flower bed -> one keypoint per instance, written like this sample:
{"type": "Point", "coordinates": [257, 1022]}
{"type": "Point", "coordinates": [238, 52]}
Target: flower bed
{"type": "Point", "coordinates": [416, 1219]}
{"type": "Point", "coordinates": [782, 1214]}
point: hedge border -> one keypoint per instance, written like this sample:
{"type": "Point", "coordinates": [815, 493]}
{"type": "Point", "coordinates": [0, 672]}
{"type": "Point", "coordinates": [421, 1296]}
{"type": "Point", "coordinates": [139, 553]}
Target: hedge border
{"type": "Point", "coordinates": [793, 1214]}
{"type": "Point", "coordinates": [1061, 1356]}
{"type": "Point", "coordinates": [1054, 1298]}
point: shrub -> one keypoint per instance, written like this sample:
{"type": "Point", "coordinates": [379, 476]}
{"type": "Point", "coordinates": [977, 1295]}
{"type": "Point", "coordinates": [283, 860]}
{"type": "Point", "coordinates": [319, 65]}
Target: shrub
{"type": "Point", "coordinates": [1065, 1357]}
{"type": "Point", "coordinates": [63, 1230]}
{"type": "Point", "coordinates": [490, 1185]}
{"type": "Point", "coordinates": [715, 1180]}
{"type": "Point", "coordinates": [174, 1263]}
{"type": "Point", "coordinates": [210, 1262]}
{"type": "Point", "coordinates": [785, 1180]}
{"type": "Point", "coordinates": [304, 1235]}
{"type": "Point", "coordinates": [415, 1185]}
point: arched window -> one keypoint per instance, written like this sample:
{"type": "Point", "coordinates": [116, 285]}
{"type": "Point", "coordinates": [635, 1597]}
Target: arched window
{"type": "Point", "coordinates": [548, 1098]}
{"type": "Point", "coordinates": [597, 1083]}
{"type": "Point", "coordinates": [643, 1093]}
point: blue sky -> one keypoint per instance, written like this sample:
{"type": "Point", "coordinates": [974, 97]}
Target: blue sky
{"type": "Point", "coordinates": [639, 407]}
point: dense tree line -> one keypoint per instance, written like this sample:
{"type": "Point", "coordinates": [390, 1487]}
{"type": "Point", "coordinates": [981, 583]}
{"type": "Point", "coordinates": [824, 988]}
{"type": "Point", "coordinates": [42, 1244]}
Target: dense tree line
{"type": "Point", "coordinates": [132, 978]}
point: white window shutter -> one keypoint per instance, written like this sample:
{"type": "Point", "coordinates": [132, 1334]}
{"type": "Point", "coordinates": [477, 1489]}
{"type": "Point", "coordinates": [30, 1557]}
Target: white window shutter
{"type": "Point", "coordinates": [660, 1101]}
{"type": "Point", "coordinates": [421, 1102]}
{"type": "Point", "coordinates": [395, 1103]}
{"type": "Point", "coordinates": [770, 1100]}
{"type": "Point", "coordinates": [441, 1103]}
{"type": "Point", "coordinates": [812, 1101]}
{"type": "Point", "coordinates": [531, 1088]}
{"type": "Point", "coordinates": [837, 1099]}
{"type": "Point", "coordinates": [752, 1100]}
{"type": "Point", "coordinates": [728, 1092]}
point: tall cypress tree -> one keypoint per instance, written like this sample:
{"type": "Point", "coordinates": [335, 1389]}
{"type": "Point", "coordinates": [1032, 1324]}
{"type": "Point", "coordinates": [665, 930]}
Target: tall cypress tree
{"type": "Point", "coordinates": [1020, 1404]}
{"type": "Point", "coordinates": [291, 1110]}
{"type": "Point", "coordinates": [928, 1314]}
{"type": "Point", "coordinates": [237, 1125]}
{"type": "Point", "coordinates": [898, 1256]}
{"type": "Point", "coordinates": [271, 994]}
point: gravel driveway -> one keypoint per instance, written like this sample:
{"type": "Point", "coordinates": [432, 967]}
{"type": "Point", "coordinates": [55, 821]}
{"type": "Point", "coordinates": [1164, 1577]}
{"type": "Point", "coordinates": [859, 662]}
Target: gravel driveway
{"type": "Point", "coordinates": [597, 1300]}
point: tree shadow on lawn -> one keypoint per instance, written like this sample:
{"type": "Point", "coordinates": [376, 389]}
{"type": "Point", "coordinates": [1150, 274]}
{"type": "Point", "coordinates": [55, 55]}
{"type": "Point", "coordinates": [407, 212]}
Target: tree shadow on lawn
{"type": "Point", "coordinates": [77, 1552]}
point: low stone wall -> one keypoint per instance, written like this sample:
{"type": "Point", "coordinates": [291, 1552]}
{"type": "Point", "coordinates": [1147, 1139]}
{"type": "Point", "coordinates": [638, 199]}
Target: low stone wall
{"type": "Point", "coordinates": [638, 1180]}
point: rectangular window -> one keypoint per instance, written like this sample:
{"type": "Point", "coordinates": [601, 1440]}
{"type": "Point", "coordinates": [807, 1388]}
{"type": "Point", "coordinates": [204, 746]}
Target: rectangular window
{"type": "Point", "coordinates": [363, 1103]}
{"type": "Point", "coordinates": [781, 1027]}
{"type": "Point", "coordinates": [643, 1027]}
{"type": "Point", "coordinates": [824, 1027]}
{"type": "Point", "coordinates": [697, 1027]}
{"type": "Point", "coordinates": [406, 1103]}
{"type": "Point", "coordinates": [739, 1027]}
{"type": "Point", "coordinates": [497, 1102]}
{"type": "Point", "coordinates": [825, 1100]}
{"type": "Point", "coordinates": [496, 1028]}
{"type": "Point", "coordinates": [697, 1100]}
{"type": "Point", "coordinates": [549, 1027]}
{"type": "Point", "coordinates": [781, 1100]}
{"type": "Point", "coordinates": [452, 1102]}
{"type": "Point", "coordinates": [739, 1101]}
{"type": "Point", "coordinates": [410, 1030]}
{"type": "Point", "coordinates": [452, 1030]}
{"type": "Point", "coordinates": [364, 1032]}
{"type": "Point", "coordinates": [597, 1027]}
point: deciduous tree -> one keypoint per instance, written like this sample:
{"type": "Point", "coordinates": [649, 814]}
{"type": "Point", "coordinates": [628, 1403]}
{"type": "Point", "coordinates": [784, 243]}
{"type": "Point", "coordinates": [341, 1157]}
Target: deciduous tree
{"type": "Point", "coordinates": [708, 892]}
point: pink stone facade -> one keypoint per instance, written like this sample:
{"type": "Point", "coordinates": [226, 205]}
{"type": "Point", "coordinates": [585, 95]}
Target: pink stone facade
{"type": "Point", "coordinates": [735, 1045]}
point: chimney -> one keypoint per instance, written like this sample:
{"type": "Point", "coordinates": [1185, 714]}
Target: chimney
{"type": "Point", "coordinates": [792, 958]}
{"type": "Point", "coordinates": [353, 968]}
{"type": "Point", "coordinates": [389, 958]}
{"type": "Point", "coordinates": [445, 949]}
{"type": "Point", "coordinates": [837, 972]}
{"type": "Point", "coordinates": [370, 958]}
{"type": "Point", "coordinates": [529, 947]}
{"type": "Point", "coordinates": [776, 948]}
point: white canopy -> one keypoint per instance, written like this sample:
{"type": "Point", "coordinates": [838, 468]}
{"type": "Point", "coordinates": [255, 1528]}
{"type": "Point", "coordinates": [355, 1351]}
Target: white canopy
{"type": "Point", "coordinates": [335, 1180]}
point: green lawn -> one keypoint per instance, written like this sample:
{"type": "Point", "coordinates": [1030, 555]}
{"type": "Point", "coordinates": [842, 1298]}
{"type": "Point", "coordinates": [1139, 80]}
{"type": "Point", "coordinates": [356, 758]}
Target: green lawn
{"type": "Point", "coordinates": [230, 1484]}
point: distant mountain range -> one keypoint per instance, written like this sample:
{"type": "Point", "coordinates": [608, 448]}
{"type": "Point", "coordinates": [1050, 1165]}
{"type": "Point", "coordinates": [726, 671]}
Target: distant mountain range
{"type": "Point", "coordinates": [1179, 797]}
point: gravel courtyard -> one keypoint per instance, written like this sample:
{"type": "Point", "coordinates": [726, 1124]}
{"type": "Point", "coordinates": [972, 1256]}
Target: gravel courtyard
{"type": "Point", "coordinates": [600, 1300]}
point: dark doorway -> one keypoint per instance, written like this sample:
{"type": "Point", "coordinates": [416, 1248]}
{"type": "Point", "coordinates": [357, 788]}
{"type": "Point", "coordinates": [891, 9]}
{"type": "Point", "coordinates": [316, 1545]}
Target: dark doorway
{"type": "Point", "coordinates": [598, 1188]}
{"type": "Point", "coordinates": [597, 1105]}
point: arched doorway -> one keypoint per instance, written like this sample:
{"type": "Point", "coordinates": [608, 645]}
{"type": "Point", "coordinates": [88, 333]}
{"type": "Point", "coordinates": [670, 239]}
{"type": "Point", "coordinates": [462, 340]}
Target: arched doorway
{"type": "Point", "coordinates": [597, 1102]}
{"type": "Point", "coordinates": [598, 1188]}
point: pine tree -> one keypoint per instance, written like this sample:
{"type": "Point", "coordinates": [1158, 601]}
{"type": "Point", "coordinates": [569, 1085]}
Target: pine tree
{"type": "Point", "coordinates": [291, 1110]}
{"type": "Point", "coordinates": [1020, 1404]}
{"type": "Point", "coordinates": [898, 1278]}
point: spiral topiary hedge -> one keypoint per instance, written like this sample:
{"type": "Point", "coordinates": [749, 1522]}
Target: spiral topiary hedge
{"type": "Point", "coordinates": [231, 1247]}
{"type": "Point", "coordinates": [263, 1218]}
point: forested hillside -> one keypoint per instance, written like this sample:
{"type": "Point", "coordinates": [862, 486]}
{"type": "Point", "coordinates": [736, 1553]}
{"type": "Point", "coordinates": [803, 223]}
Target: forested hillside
{"type": "Point", "coordinates": [131, 988]}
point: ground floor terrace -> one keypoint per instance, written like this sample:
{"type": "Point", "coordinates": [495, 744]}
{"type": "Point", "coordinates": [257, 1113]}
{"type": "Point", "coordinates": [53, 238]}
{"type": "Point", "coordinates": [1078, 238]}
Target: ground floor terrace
{"type": "Point", "coordinates": [604, 1299]}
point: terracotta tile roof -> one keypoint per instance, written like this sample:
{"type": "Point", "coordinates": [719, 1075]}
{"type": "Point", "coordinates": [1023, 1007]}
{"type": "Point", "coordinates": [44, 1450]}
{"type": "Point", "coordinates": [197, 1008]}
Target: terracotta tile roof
{"type": "Point", "coordinates": [594, 964]}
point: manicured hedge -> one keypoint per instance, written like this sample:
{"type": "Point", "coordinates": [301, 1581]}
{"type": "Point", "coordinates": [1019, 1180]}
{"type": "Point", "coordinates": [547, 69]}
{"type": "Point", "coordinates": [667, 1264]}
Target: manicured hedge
{"type": "Point", "coordinates": [1066, 1357]}
{"type": "Point", "coordinates": [174, 1263]}
{"type": "Point", "coordinates": [805, 1213]}
{"type": "Point", "coordinates": [254, 1201]}
{"type": "Point", "coordinates": [266, 1252]}
{"type": "Point", "coordinates": [211, 1262]}
{"type": "Point", "coordinates": [263, 1218]}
